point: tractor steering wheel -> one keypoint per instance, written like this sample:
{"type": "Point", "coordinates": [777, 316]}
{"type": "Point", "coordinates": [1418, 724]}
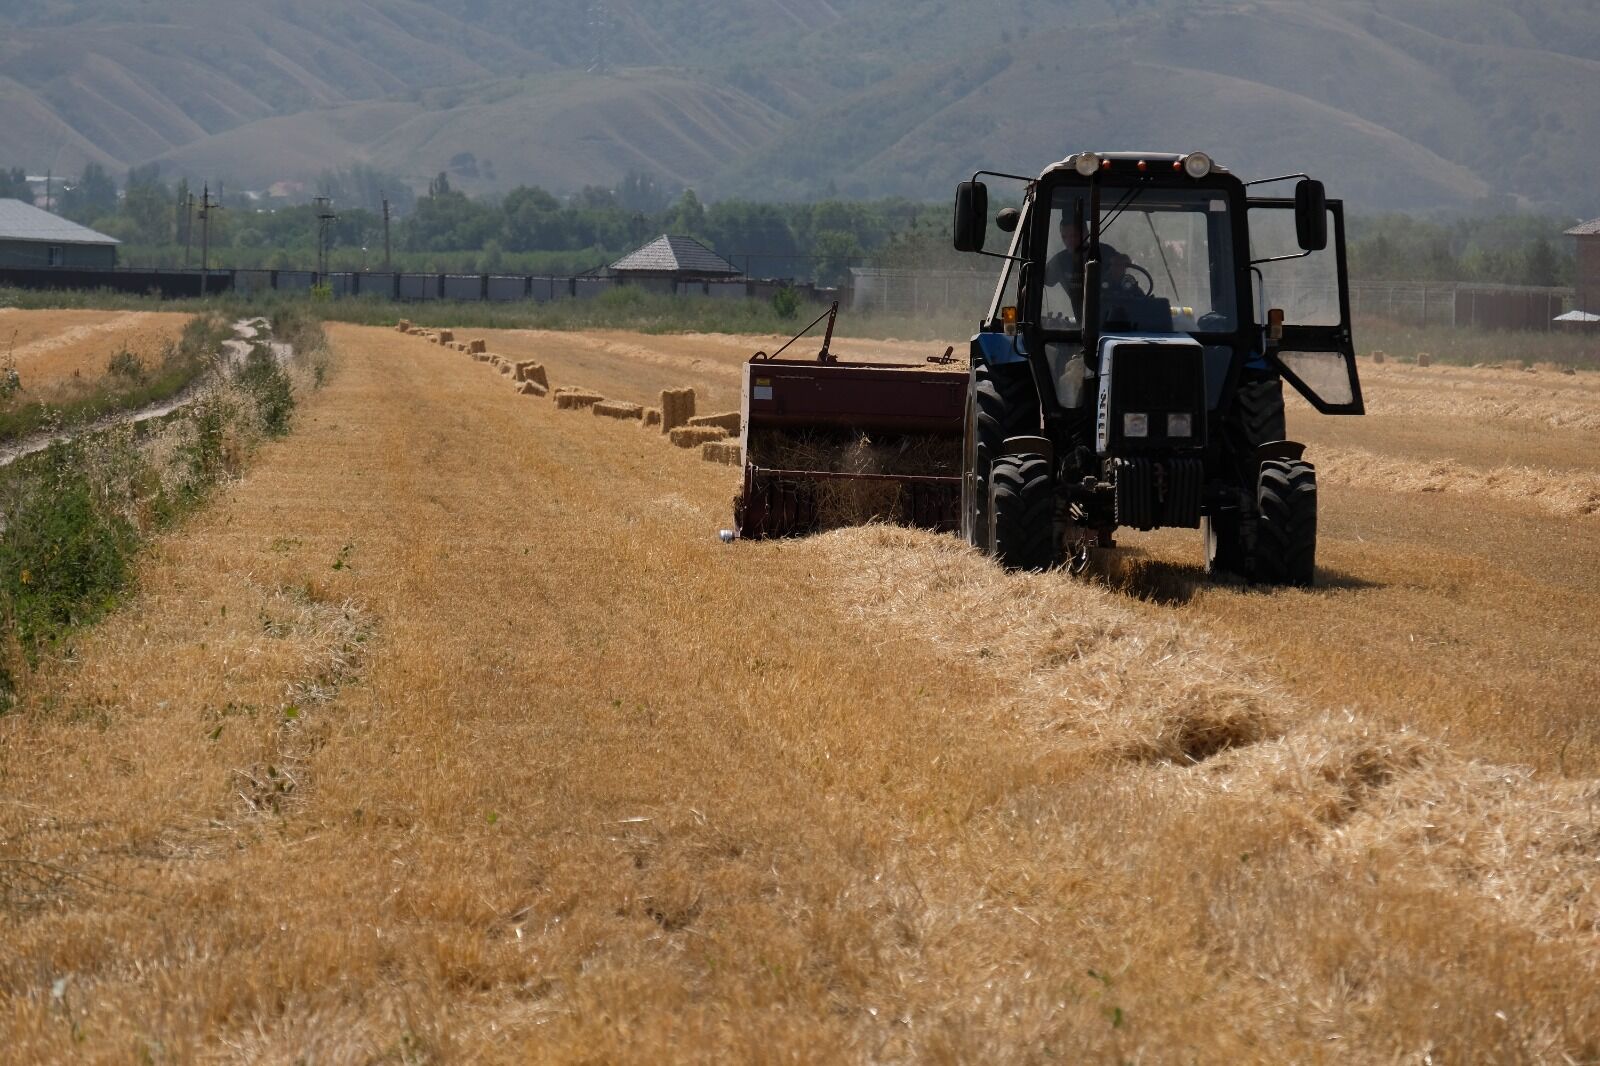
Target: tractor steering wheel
{"type": "Point", "coordinates": [1130, 283]}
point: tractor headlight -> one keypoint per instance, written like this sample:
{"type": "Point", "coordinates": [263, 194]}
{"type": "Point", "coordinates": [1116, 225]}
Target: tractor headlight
{"type": "Point", "coordinates": [1180, 425]}
{"type": "Point", "coordinates": [1197, 164]}
{"type": "Point", "coordinates": [1087, 164]}
{"type": "Point", "coordinates": [1135, 424]}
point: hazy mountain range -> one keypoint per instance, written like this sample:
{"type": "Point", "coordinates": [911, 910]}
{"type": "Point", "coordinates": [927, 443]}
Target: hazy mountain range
{"type": "Point", "coordinates": [1400, 103]}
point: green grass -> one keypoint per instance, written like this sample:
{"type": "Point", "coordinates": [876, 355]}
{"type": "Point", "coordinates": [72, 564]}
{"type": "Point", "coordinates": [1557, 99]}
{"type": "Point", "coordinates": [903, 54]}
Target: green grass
{"type": "Point", "coordinates": [1464, 347]}
{"type": "Point", "coordinates": [77, 513]}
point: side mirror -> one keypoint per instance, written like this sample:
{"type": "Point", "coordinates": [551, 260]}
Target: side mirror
{"type": "Point", "coordinates": [972, 216]}
{"type": "Point", "coordinates": [1007, 220]}
{"type": "Point", "coordinates": [1311, 215]}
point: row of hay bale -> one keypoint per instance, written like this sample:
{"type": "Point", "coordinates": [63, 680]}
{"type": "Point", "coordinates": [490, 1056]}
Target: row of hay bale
{"type": "Point", "coordinates": [675, 418]}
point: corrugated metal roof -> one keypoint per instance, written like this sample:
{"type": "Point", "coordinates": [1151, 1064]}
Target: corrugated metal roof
{"type": "Point", "coordinates": [21, 221]}
{"type": "Point", "coordinates": [1588, 229]}
{"type": "Point", "coordinates": [674, 255]}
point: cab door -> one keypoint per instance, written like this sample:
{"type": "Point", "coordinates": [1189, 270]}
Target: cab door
{"type": "Point", "coordinates": [1315, 352]}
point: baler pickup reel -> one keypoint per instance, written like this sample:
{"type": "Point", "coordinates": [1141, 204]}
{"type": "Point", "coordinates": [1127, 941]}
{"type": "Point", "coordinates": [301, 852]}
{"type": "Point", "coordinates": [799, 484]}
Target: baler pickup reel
{"type": "Point", "coordinates": [830, 443]}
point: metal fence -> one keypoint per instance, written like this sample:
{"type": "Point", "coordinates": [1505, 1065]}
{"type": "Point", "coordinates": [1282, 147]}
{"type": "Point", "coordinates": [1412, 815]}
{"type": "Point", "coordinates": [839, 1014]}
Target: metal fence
{"type": "Point", "coordinates": [1410, 303]}
{"type": "Point", "coordinates": [405, 287]}
{"type": "Point", "coordinates": [927, 292]}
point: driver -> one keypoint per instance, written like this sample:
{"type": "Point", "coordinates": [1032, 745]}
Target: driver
{"type": "Point", "coordinates": [1065, 268]}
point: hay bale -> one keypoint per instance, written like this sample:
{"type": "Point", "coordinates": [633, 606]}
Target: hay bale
{"type": "Point", "coordinates": [618, 409]}
{"type": "Point", "coordinates": [728, 420]}
{"type": "Point", "coordinates": [480, 359]}
{"type": "Point", "coordinates": [447, 336]}
{"type": "Point", "coordinates": [1378, 357]}
{"type": "Point", "coordinates": [529, 370]}
{"type": "Point", "coordinates": [505, 368]}
{"type": "Point", "coordinates": [677, 407]}
{"type": "Point", "coordinates": [532, 388]}
{"type": "Point", "coordinates": [721, 451]}
{"type": "Point", "coordinates": [404, 326]}
{"type": "Point", "coordinates": [478, 345]}
{"type": "Point", "coordinates": [695, 436]}
{"type": "Point", "coordinates": [576, 399]}
{"type": "Point", "coordinates": [1424, 359]}
{"type": "Point", "coordinates": [652, 417]}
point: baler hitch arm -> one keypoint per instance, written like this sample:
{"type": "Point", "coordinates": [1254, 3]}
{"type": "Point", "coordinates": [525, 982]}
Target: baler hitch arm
{"type": "Point", "coordinates": [824, 356]}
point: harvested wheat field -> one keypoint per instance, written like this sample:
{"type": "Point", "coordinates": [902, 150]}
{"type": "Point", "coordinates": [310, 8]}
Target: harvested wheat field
{"type": "Point", "coordinates": [54, 348]}
{"type": "Point", "coordinates": [639, 366]}
{"type": "Point", "coordinates": [402, 755]}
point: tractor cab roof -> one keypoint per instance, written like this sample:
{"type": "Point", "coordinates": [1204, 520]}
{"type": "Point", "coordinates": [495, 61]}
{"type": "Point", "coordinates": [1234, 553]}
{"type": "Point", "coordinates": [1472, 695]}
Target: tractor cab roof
{"type": "Point", "coordinates": [1117, 159]}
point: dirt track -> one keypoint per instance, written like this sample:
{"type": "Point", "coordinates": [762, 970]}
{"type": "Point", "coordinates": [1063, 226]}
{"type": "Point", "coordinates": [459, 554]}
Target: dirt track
{"type": "Point", "coordinates": [453, 733]}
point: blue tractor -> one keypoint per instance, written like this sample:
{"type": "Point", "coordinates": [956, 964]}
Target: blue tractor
{"type": "Point", "coordinates": [1129, 372]}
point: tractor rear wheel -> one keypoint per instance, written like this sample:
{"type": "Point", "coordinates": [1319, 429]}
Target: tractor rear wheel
{"type": "Point", "coordinates": [1001, 403]}
{"type": "Point", "coordinates": [1286, 526]}
{"type": "Point", "coordinates": [1022, 510]}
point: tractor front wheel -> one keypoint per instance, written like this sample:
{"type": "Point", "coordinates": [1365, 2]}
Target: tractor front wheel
{"type": "Point", "coordinates": [1022, 504]}
{"type": "Point", "coordinates": [1001, 403]}
{"type": "Point", "coordinates": [1226, 551]}
{"type": "Point", "coordinates": [1286, 526]}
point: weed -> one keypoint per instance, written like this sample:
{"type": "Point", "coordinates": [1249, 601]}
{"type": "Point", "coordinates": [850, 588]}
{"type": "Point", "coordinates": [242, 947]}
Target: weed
{"type": "Point", "coordinates": [786, 303]}
{"type": "Point", "coordinates": [128, 366]}
{"type": "Point", "coordinates": [65, 554]}
{"type": "Point", "coordinates": [265, 382]}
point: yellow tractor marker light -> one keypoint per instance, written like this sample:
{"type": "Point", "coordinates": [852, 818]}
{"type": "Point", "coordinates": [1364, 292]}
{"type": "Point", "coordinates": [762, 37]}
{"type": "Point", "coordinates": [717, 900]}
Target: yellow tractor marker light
{"type": "Point", "coordinates": [1275, 324]}
{"type": "Point", "coordinates": [1008, 320]}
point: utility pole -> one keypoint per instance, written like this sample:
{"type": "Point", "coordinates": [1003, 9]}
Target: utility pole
{"type": "Point", "coordinates": [388, 267]}
{"type": "Point", "coordinates": [325, 218]}
{"type": "Point", "coordinates": [49, 175]}
{"type": "Point", "coordinates": [188, 226]}
{"type": "Point", "coordinates": [207, 205]}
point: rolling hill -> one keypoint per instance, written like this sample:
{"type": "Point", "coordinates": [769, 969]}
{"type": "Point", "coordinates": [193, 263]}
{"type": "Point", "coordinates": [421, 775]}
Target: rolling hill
{"type": "Point", "coordinates": [1407, 103]}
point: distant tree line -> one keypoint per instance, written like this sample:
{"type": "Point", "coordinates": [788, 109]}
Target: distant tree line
{"type": "Point", "coordinates": [532, 230]}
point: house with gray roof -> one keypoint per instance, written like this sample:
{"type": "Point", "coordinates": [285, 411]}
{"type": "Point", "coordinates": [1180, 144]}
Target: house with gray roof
{"type": "Point", "coordinates": [676, 264]}
{"type": "Point", "coordinates": [31, 237]}
{"type": "Point", "coordinates": [1587, 289]}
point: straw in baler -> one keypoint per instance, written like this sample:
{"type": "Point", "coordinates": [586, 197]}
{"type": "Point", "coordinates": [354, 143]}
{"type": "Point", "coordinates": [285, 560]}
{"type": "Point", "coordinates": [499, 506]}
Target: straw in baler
{"type": "Point", "coordinates": [845, 502]}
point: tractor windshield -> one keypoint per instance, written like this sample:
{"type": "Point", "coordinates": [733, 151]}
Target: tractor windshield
{"type": "Point", "coordinates": [1166, 261]}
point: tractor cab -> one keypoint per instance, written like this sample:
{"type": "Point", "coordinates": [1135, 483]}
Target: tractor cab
{"type": "Point", "coordinates": [1147, 311]}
